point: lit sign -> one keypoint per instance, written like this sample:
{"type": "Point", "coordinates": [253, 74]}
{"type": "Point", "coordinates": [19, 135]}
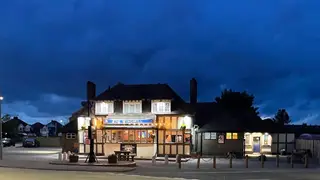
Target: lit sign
{"type": "Point", "coordinates": [128, 121]}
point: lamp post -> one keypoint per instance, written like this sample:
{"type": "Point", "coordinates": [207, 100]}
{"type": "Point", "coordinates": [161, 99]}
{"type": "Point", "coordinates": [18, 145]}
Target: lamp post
{"type": "Point", "coordinates": [1, 145]}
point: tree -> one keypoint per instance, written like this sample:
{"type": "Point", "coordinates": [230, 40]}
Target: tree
{"type": "Point", "coordinates": [6, 117]}
{"type": "Point", "coordinates": [282, 117]}
{"type": "Point", "coordinates": [239, 105]}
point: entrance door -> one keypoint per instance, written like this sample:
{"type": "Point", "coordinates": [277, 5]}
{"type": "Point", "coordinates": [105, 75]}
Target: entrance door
{"type": "Point", "coordinates": [256, 144]}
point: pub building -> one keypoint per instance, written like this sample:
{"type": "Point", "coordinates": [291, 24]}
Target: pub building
{"type": "Point", "coordinates": [147, 120]}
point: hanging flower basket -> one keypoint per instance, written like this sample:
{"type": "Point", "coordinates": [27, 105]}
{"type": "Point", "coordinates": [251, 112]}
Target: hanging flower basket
{"type": "Point", "coordinates": [83, 128]}
{"type": "Point", "coordinates": [183, 127]}
{"type": "Point", "coordinates": [152, 136]}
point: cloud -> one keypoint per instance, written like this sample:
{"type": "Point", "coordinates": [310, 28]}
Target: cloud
{"type": "Point", "coordinates": [269, 48]}
{"type": "Point", "coordinates": [48, 107]}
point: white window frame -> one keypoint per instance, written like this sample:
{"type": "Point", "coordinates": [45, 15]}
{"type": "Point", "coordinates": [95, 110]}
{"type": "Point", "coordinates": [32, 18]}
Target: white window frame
{"type": "Point", "coordinates": [71, 136]}
{"type": "Point", "coordinates": [132, 107]}
{"type": "Point", "coordinates": [210, 135]}
{"type": "Point", "coordinates": [104, 108]}
{"type": "Point", "coordinates": [160, 107]}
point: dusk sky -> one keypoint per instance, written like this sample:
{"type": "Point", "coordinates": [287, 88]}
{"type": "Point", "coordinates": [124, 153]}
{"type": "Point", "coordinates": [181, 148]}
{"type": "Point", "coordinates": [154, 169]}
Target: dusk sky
{"type": "Point", "coordinates": [50, 49]}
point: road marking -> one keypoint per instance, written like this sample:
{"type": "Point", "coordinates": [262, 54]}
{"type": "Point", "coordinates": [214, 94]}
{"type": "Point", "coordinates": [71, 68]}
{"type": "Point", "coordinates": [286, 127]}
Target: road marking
{"type": "Point", "coordinates": [232, 172]}
{"type": "Point", "coordinates": [151, 177]}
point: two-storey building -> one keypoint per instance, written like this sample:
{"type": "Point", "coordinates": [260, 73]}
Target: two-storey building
{"type": "Point", "coordinates": [145, 119]}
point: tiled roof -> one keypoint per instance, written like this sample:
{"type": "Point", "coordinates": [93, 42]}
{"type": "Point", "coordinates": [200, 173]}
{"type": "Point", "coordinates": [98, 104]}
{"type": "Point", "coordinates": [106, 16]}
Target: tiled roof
{"type": "Point", "coordinates": [139, 92]}
{"type": "Point", "coordinates": [37, 125]}
{"type": "Point", "coordinates": [71, 127]}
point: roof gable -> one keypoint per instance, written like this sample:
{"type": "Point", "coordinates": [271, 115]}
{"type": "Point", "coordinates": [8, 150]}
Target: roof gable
{"type": "Point", "coordinates": [37, 125]}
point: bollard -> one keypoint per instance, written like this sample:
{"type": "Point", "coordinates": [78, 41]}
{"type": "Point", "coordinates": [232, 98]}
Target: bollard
{"type": "Point", "coordinates": [177, 158]}
{"type": "Point", "coordinates": [247, 161]}
{"type": "Point", "coordinates": [179, 161]}
{"type": "Point", "coordinates": [291, 161]}
{"type": "Point", "coordinates": [166, 159]}
{"type": "Point", "coordinates": [60, 156]}
{"type": "Point", "coordinates": [68, 155]}
{"type": "Point", "coordinates": [306, 163]}
{"type": "Point", "coordinates": [154, 160]}
{"type": "Point", "coordinates": [64, 156]}
{"type": "Point", "coordinates": [198, 162]}
{"type": "Point", "coordinates": [230, 163]}
{"type": "Point", "coordinates": [277, 160]}
{"type": "Point", "coordinates": [214, 162]}
{"type": "Point", "coordinates": [262, 161]}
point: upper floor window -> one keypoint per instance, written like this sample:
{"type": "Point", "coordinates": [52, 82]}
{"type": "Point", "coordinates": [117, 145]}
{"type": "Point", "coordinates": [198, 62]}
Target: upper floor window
{"type": "Point", "coordinates": [103, 108]}
{"type": "Point", "coordinates": [132, 107]}
{"type": "Point", "coordinates": [161, 107]}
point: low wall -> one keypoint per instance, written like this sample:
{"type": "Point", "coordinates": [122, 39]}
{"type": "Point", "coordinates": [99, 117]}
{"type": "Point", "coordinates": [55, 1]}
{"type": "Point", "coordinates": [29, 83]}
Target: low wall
{"type": "Point", "coordinates": [49, 141]}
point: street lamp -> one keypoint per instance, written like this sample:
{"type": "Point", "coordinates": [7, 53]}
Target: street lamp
{"type": "Point", "coordinates": [1, 145]}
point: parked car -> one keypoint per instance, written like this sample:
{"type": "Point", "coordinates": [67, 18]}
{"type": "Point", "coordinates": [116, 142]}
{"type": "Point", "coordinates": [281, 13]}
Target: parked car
{"type": "Point", "coordinates": [31, 142]}
{"type": "Point", "coordinates": [8, 142]}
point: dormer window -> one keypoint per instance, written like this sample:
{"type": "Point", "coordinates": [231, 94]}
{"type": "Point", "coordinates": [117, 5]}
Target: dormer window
{"type": "Point", "coordinates": [161, 107]}
{"type": "Point", "coordinates": [104, 108]}
{"type": "Point", "coordinates": [132, 107]}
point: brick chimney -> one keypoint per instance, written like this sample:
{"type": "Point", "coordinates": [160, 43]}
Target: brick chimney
{"type": "Point", "coordinates": [91, 90]}
{"type": "Point", "coordinates": [193, 91]}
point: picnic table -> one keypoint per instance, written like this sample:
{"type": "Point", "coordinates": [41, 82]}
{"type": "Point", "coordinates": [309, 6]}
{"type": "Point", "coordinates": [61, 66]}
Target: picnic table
{"type": "Point", "coordinates": [124, 155]}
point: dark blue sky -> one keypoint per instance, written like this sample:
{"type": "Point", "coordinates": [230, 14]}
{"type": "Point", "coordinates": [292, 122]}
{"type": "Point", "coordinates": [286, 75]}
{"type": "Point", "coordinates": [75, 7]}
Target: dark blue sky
{"type": "Point", "coordinates": [49, 49]}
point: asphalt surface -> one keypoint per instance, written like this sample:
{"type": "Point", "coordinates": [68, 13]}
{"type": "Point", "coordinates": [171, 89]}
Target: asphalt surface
{"type": "Point", "coordinates": [23, 174]}
{"type": "Point", "coordinates": [31, 154]}
{"type": "Point", "coordinates": [13, 174]}
{"type": "Point", "coordinates": [145, 170]}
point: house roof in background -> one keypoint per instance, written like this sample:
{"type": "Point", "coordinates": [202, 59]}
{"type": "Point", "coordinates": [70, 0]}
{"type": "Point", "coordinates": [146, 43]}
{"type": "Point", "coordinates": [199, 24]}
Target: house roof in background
{"type": "Point", "coordinates": [17, 121]}
{"type": "Point", "coordinates": [55, 122]}
{"type": "Point", "coordinates": [139, 92]}
{"type": "Point", "coordinates": [71, 127]}
{"type": "Point", "coordinates": [37, 125]}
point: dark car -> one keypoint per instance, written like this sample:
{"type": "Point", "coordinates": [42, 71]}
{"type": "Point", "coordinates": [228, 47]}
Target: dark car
{"type": "Point", "coordinates": [31, 142]}
{"type": "Point", "coordinates": [8, 142]}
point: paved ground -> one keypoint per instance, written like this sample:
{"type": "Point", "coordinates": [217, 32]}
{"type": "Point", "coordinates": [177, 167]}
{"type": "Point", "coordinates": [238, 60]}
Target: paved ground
{"type": "Point", "coordinates": [13, 174]}
{"type": "Point", "coordinates": [38, 158]}
{"type": "Point", "coordinates": [39, 154]}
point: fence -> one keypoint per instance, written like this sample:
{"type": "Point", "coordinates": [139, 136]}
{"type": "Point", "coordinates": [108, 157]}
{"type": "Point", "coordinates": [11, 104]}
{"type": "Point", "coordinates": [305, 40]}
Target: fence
{"type": "Point", "coordinates": [49, 141]}
{"type": "Point", "coordinates": [248, 162]}
{"type": "Point", "coordinates": [312, 145]}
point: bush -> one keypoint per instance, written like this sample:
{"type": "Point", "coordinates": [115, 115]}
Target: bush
{"type": "Point", "coordinates": [112, 159]}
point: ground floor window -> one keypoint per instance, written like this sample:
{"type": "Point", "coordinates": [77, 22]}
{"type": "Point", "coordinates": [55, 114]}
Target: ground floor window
{"type": "Point", "coordinates": [174, 136]}
{"type": "Point", "coordinates": [70, 135]}
{"type": "Point", "coordinates": [129, 136]}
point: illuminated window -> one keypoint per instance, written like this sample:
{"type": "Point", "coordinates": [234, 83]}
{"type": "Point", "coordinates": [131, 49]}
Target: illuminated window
{"type": "Point", "coordinates": [247, 139]}
{"type": "Point", "coordinates": [234, 135]}
{"type": "Point", "coordinates": [266, 136]}
{"type": "Point", "coordinates": [229, 136]}
{"type": "Point", "coordinates": [103, 108]}
{"type": "Point", "coordinates": [132, 107]}
{"type": "Point", "coordinates": [160, 107]}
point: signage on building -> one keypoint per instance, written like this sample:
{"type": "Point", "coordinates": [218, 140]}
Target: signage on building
{"type": "Point", "coordinates": [128, 121]}
{"type": "Point", "coordinates": [132, 148]}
